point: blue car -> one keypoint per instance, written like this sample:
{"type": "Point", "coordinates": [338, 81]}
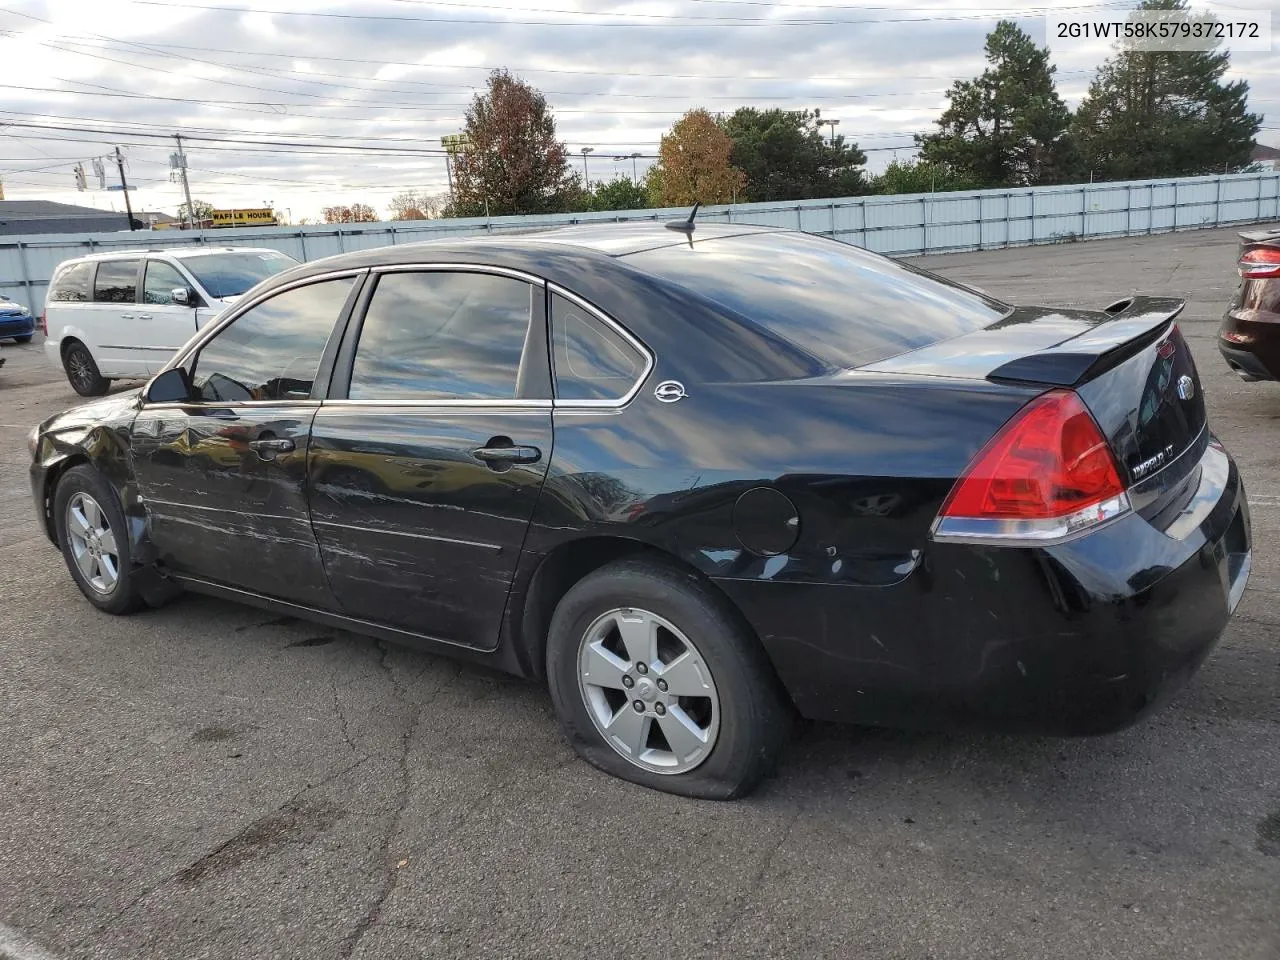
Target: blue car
{"type": "Point", "coordinates": [16, 322]}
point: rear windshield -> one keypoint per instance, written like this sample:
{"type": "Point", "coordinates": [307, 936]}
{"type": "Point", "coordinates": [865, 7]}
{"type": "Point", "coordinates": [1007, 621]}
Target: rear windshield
{"type": "Point", "coordinates": [231, 274]}
{"type": "Point", "coordinates": [843, 305]}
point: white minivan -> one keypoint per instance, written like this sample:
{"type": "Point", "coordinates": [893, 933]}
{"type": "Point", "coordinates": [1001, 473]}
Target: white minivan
{"type": "Point", "coordinates": [123, 314]}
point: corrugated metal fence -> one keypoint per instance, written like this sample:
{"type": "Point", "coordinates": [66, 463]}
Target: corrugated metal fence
{"type": "Point", "coordinates": [898, 225]}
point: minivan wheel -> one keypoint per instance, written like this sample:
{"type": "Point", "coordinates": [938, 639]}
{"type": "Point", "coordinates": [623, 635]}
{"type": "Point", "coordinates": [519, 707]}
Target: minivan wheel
{"type": "Point", "coordinates": [82, 372]}
{"type": "Point", "coordinates": [94, 540]}
{"type": "Point", "coordinates": [657, 681]}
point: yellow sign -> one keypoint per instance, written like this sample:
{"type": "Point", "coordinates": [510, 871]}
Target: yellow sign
{"type": "Point", "coordinates": [259, 217]}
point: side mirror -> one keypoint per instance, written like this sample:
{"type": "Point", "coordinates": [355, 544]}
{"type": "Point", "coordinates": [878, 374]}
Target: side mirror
{"type": "Point", "coordinates": [181, 296]}
{"type": "Point", "coordinates": [172, 386]}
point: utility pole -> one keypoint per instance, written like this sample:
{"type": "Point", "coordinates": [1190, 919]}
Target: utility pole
{"type": "Point", "coordinates": [586, 177]}
{"type": "Point", "coordinates": [186, 187]}
{"type": "Point", "coordinates": [124, 186]}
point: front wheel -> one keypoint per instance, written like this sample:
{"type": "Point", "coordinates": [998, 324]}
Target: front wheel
{"type": "Point", "coordinates": [82, 372]}
{"type": "Point", "coordinates": [656, 680]}
{"type": "Point", "coordinates": [94, 540]}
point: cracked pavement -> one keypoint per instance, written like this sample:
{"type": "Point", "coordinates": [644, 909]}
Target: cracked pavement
{"type": "Point", "coordinates": [210, 781]}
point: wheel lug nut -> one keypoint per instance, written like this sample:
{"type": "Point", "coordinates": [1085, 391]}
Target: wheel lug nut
{"type": "Point", "coordinates": [642, 668]}
{"type": "Point", "coordinates": [628, 682]}
{"type": "Point", "coordinates": [662, 685]}
{"type": "Point", "coordinates": [659, 709]}
{"type": "Point", "coordinates": [639, 705]}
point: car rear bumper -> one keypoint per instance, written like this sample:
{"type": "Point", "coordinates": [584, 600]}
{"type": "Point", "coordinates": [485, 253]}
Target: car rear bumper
{"type": "Point", "coordinates": [17, 327]}
{"type": "Point", "coordinates": [1250, 343]}
{"type": "Point", "coordinates": [1081, 638]}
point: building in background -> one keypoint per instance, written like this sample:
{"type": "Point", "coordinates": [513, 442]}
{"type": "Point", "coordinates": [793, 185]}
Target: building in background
{"type": "Point", "coordinates": [1264, 157]}
{"type": "Point", "coordinates": [19, 217]}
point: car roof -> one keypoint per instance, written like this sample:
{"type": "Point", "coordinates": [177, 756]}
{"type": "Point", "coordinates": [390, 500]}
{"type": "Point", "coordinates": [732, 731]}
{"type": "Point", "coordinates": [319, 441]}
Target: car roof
{"type": "Point", "coordinates": [178, 253]}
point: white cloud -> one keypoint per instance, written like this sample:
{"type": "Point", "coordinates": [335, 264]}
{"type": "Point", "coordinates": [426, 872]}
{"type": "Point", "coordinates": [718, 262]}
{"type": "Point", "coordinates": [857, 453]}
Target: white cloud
{"type": "Point", "coordinates": [264, 77]}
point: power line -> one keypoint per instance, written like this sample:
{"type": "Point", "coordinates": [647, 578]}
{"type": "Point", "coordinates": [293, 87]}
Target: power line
{"type": "Point", "coordinates": [741, 23]}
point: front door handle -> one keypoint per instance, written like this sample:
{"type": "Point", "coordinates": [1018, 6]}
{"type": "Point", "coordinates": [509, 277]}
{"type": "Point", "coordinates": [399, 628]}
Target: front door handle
{"type": "Point", "coordinates": [268, 447]}
{"type": "Point", "coordinates": [144, 316]}
{"type": "Point", "coordinates": [500, 457]}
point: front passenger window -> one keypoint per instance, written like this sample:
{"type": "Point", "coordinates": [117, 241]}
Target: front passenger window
{"type": "Point", "coordinates": [161, 280]}
{"type": "Point", "coordinates": [272, 351]}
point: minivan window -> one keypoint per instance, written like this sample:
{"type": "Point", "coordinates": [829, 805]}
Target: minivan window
{"type": "Point", "coordinates": [442, 336]}
{"type": "Point", "coordinates": [117, 282]}
{"type": "Point", "coordinates": [73, 284]}
{"type": "Point", "coordinates": [231, 274]}
{"type": "Point", "coordinates": [271, 351]}
{"type": "Point", "coordinates": [592, 360]}
{"type": "Point", "coordinates": [843, 305]}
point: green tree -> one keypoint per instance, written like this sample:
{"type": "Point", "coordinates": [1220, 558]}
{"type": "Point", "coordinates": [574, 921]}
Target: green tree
{"type": "Point", "coordinates": [620, 193]}
{"type": "Point", "coordinates": [1164, 114]}
{"type": "Point", "coordinates": [694, 164]}
{"type": "Point", "coordinates": [920, 176]}
{"type": "Point", "coordinates": [1008, 126]}
{"type": "Point", "coordinates": [785, 156]}
{"type": "Point", "coordinates": [513, 162]}
{"type": "Point", "coordinates": [203, 210]}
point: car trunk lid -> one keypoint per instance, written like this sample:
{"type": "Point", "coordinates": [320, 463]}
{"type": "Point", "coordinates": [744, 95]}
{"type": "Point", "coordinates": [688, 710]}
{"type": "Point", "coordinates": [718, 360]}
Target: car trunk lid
{"type": "Point", "coordinates": [1128, 362]}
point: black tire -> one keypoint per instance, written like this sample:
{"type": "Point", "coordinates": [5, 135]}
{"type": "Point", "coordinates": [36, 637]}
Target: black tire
{"type": "Point", "coordinates": [754, 717]}
{"type": "Point", "coordinates": [26, 339]}
{"type": "Point", "coordinates": [82, 371]}
{"type": "Point", "coordinates": [124, 596]}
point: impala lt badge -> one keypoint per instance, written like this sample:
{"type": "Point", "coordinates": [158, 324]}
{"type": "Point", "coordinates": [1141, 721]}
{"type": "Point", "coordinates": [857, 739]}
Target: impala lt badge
{"type": "Point", "coordinates": [669, 391]}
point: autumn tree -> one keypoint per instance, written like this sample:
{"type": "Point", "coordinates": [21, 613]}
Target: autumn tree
{"type": "Point", "coordinates": [355, 213]}
{"type": "Point", "coordinates": [1164, 114]}
{"type": "Point", "coordinates": [417, 205]}
{"type": "Point", "coordinates": [1007, 127]}
{"type": "Point", "coordinates": [694, 164]}
{"type": "Point", "coordinates": [513, 162]}
{"type": "Point", "coordinates": [785, 156]}
{"type": "Point", "coordinates": [203, 211]}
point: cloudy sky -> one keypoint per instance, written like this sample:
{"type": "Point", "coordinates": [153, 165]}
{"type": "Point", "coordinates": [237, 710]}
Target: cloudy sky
{"type": "Point", "coordinates": [304, 103]}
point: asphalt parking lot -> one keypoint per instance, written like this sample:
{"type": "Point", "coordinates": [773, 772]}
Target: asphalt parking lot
{"type": "Point", "coordinates": [210, 781]}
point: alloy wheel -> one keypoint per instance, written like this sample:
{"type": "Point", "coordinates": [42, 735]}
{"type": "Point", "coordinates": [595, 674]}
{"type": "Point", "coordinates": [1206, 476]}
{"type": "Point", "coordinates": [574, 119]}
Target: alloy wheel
{"type": "Point", "coordinates": [93, 543]}
{"type": "Point", "coordinates": [81, 374]}
{"type": "Point", "coordinates": [648, 690]}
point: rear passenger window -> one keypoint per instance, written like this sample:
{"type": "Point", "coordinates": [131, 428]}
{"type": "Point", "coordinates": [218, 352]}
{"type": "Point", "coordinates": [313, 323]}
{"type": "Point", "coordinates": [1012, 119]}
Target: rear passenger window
{"type": "Point", "coordinates": [117, 282]}
{"type": "Point", "coordinates": [592, 360]}
{"type": "Point", "coordinates": [73, 284]}
{"type": "Point", "coordinates": [442, 336]}
{"type": "Point", "coordinates": [271, 351]}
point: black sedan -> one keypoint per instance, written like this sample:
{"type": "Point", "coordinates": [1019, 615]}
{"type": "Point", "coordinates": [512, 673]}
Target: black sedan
{"type": "Point", "coordinates": [697, 480]}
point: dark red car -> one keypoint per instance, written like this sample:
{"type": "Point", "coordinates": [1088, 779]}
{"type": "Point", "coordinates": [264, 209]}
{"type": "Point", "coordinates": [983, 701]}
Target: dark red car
{"type": "Point", "coordinates": [1250, 335]}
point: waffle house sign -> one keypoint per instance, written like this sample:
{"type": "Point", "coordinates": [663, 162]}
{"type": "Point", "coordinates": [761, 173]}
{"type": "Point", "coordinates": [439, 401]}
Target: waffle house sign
{"type": "Point", "coordinates": [257, 217]}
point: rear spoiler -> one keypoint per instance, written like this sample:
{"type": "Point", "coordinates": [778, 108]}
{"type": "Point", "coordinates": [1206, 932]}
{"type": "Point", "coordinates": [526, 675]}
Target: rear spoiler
{"type": "Point", "coordinates": [1135, 323]}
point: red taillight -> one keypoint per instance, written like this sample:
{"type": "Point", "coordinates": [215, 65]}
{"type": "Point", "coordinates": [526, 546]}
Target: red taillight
{"type": "Point", "coordinates": [1260, 263]}
{"type": "Point", "coordinates": [1047, 474]}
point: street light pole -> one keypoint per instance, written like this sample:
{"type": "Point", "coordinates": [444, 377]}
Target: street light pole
{"type": "Point", "coordinates": [586, 177]}
{"type": "Point", "coordinates": [832, 124]}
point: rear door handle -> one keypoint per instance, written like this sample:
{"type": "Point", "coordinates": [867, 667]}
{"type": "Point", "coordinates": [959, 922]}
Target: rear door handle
{"type": "Point", "coordinates": [504, 456]}
{"type": "Point", "coordinates": [268, 448]}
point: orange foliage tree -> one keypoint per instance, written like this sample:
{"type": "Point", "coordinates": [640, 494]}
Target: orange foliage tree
{"type": "Point", "coordinates": [694, 164]}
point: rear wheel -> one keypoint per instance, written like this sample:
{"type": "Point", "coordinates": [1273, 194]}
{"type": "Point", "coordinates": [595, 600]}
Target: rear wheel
{"type": "Point", "coordinates": [657, 681]}
{"type": "Point", "coordinates": [94, 540]}
{"type": "Point", "coordinates": [82, 371]}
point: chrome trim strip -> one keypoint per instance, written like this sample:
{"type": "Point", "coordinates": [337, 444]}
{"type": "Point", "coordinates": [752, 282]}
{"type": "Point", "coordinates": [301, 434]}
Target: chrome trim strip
{"type": "Point", "coordinates": [227, 405]}
{"type": "Point", "coordinates": [618, 329]}
{"type": "Point", "coordinates": [338, 405]}
{"type": "Point", "coordinates": [437, 267]}
{"type": "Point", "coordinates": [492, 547]}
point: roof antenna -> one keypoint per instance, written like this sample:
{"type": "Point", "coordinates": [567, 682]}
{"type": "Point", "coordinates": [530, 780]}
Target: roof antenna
{"type": "Point", "coordinates": [684, 225]}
